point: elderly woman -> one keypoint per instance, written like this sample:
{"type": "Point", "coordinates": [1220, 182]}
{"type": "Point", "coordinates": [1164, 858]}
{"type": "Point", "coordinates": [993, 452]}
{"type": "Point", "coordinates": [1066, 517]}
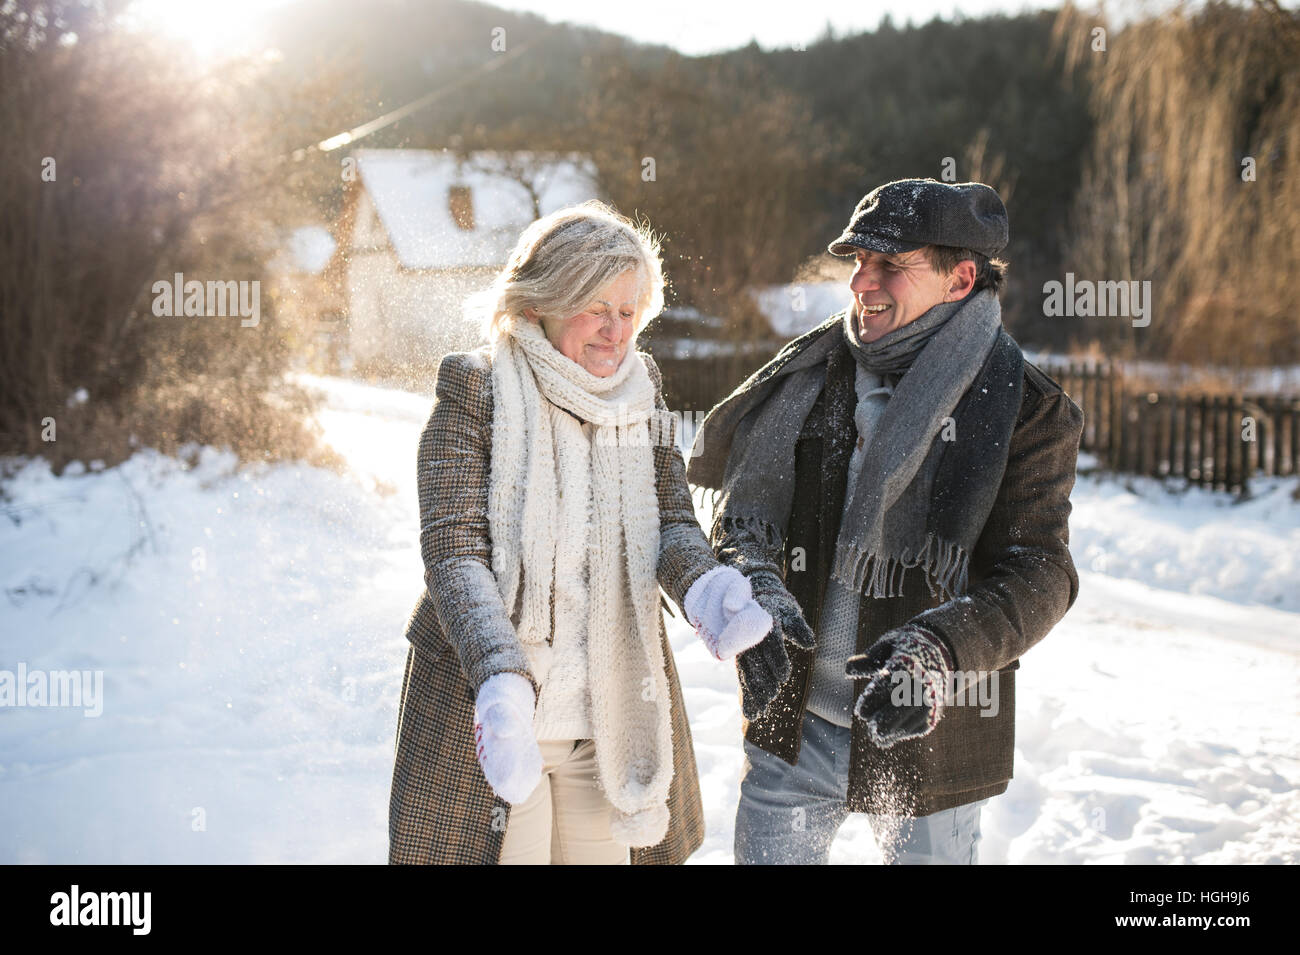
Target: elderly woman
{"type": "Point", "coordinates": [541, 717]}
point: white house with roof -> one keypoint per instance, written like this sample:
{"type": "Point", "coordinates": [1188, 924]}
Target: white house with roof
{"type": "Point", "coordinates": [422, 229]}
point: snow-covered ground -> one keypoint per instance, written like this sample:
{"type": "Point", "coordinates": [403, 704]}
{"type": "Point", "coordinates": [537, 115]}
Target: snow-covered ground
{"type": "Point", "coordinates": [248, 628]}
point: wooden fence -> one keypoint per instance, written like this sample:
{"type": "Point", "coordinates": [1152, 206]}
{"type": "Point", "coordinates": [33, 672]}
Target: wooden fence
{"type": "Point", "coordinates": [1214, 441]}
{"type": "Point", "coordinates": [696, 384]}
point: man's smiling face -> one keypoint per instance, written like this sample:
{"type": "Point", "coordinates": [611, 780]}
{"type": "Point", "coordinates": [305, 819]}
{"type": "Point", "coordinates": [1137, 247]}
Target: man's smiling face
{"type": "Point", "coordinates": [890, 291]}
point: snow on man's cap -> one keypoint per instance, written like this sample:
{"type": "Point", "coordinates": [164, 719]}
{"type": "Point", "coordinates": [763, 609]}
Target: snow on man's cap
{"type": "Point", "coordinates": [907, 214]}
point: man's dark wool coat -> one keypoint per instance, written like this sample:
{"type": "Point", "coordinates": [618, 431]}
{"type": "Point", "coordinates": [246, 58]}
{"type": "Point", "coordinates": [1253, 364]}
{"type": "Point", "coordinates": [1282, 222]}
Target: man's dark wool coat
{"type": "Point", "coordinates": [1022, 581]}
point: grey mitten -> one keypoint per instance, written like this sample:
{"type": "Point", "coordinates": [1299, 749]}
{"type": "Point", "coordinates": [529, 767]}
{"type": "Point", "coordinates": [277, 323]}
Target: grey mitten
{"type": "Point", "coordinates": [764, 668]}
{"type": "Point", "coordinates": [908, 672]}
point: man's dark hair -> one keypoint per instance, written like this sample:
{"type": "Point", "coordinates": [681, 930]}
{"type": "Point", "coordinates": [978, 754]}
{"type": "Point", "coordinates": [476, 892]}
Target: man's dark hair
{"type": "Point", "coordinates": [989, 273]}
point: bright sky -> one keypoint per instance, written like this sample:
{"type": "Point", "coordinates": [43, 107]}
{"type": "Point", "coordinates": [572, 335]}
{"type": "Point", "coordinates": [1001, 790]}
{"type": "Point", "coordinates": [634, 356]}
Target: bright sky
{"type": "Point", "coordinates": [216, 27]}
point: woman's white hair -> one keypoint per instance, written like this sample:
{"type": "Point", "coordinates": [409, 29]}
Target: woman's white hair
{"type": "Point", "coordinates": [563, 260]}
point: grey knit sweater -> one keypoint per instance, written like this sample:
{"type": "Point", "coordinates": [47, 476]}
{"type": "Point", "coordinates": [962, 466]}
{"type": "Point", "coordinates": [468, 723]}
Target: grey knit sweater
{"type": "Point", "coordinates": [830, 695]}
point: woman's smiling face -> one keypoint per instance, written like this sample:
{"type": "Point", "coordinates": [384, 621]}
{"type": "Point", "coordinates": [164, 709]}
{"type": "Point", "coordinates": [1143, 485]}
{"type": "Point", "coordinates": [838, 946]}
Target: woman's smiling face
{"type": "Point", "coordinates": [597, 338]}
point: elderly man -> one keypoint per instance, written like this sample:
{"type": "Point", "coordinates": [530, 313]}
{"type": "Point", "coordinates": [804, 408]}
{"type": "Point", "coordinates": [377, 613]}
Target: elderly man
{"type": "Point", "coordinates": [896, 485]}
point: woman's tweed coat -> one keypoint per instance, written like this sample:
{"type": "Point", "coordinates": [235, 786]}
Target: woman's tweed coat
{"type": "Point", "coordinates": [441, 809]}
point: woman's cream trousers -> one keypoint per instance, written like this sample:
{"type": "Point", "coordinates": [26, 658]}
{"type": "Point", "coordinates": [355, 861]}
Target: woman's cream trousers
{"type": "Point", "coordinates": [566, 819]}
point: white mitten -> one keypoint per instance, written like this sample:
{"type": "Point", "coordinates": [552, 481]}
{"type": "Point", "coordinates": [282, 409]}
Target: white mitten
{"type": "Point", "coordinates": [503, 736]}
{"type": "Point", "coordinates": [721, 607]}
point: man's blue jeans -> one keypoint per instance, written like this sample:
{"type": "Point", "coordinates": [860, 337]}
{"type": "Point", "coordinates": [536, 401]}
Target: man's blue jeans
{"type": "Point", "coordinates": [788, 815]}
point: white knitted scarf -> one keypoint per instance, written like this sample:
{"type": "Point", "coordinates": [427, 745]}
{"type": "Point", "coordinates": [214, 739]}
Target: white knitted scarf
{"type": "Point", "coordinates": [541, 465]}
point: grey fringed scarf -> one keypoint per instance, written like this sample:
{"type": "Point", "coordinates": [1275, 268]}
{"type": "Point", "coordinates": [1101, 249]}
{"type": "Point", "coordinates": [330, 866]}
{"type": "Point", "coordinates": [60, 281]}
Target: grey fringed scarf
{"type": "Point", "coordinates": [891, 522]}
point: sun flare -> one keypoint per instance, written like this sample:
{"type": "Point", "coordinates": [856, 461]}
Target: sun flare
{"type": "Point", "coordinates": [213, 29]}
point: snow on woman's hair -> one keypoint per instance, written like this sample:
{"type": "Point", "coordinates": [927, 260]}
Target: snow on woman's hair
{"type": "Point", "coordinates": [563, 260]}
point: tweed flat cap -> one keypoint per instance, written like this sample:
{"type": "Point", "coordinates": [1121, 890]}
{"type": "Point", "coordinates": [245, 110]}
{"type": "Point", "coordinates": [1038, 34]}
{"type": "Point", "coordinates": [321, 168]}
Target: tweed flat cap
{"type": "Point", "coordinates": [907, 214]}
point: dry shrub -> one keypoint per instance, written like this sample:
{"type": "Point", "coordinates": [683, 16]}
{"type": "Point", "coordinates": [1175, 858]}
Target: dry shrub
{"type": "Point", "coordinates": [159, 168]}
{"type": "Point", "coordinates": [1181, 100]}
{"type": "Point", "coordinates": [205, 410]}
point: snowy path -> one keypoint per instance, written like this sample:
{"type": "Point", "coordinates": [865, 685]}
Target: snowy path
{"type": "Point", "coordinates": [249, 630]}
